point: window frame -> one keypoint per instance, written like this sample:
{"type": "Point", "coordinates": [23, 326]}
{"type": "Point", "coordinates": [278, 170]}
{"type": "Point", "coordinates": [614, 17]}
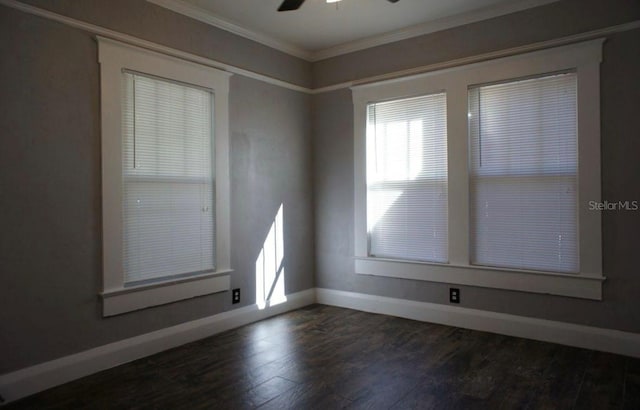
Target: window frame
{"type": "Point", "coordinates": [584, 58]}
{"type": "Point", "coordinates": [114, 57]}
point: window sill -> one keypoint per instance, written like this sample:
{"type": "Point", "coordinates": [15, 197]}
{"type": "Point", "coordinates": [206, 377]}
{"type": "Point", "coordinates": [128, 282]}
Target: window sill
{"type": "Point", "coordinates": [132, 298]}
{"type": "Point", "coordinates": [573, 285]}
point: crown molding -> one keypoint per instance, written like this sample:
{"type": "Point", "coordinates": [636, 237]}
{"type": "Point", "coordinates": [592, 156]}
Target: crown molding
{"type": "Point", "coordinates": [205, 16]}
{"type": "Point", "coordinates": [200, 14]}
{"type": "Point", "coordinates": [104, 32]}
{"type": "Point", "coordinates": [149, 45]}
{"type": "Point", "coordinates": [428, 27]}
{"type": "Point", "coordinates": [478, 58]}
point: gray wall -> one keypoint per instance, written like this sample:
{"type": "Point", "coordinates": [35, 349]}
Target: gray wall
{"type": "Point", "coordinates": [559, 19]}
{"type": "Point", "coordinates": [333, 172]}
{"type": "Point", "coordinates": [286, 148]}
{"type": "Point", "coordinates": [50, 192]}
{"type": "Point", "coordinates": [147, 21]}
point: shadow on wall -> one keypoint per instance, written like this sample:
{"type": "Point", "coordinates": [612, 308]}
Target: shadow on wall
{"type": "Point", "coordinates": [270, 289]}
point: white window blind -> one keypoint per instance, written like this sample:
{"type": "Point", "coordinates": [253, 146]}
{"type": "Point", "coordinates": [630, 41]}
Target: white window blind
{"type": "Point", "coordinates": [168, 203]}
{"type": "Point", "coordinates": [407, 211]}
{"type": "Point", "coordinates": [523, 174]}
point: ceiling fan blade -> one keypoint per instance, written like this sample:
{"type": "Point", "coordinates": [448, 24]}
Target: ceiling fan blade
{"type": "Point", "coordinates": [288, 5]}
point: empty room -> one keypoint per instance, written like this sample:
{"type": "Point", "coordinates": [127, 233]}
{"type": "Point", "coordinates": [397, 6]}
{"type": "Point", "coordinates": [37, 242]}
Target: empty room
{"type": "Point", "coordinates": [319, 204]}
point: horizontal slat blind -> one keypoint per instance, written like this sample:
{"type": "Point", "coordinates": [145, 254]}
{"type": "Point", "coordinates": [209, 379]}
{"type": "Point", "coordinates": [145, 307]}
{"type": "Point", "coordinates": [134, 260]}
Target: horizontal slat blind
{"type": "Point", "coordinates": [407, 214]}
{"type": "Point", "coordinates": [523, 174]}
{"type": "Point", "coordinates": [168, 208]}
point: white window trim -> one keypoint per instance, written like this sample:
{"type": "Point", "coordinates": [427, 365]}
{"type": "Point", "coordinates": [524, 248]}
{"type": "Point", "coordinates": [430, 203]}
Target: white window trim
{"type": "Point", "coordinates": [584, 58]}
{"type": "Point", "coordinates": [115, 56]}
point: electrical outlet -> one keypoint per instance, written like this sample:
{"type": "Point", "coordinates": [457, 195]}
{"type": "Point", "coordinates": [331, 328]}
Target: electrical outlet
{"type": "Point", "coordinates": [235, 296]}
{"type": "Point", "coordinates": [454, 295]}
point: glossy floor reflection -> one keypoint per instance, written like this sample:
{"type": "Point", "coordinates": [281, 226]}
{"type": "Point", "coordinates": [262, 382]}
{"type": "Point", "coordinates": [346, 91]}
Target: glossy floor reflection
{"type": "Point", "coordinates": [327, 358]}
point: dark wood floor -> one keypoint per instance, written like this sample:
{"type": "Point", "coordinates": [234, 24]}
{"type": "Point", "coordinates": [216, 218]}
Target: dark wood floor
{"type": "Point", "coordinates": [327, 358]}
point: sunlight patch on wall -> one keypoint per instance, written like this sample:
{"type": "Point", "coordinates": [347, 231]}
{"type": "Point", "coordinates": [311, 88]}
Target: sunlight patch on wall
{"type": "Point", "coordinates": [270, 289]}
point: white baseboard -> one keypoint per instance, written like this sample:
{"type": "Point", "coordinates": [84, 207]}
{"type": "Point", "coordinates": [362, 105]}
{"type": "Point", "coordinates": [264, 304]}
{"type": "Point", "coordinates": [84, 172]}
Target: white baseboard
{"type": "Point", "coordinates": [607, 340]}
{"type": "Point", "coordinates": [43, 376]}
{"type": "Point", "coordinates": [34, 379]}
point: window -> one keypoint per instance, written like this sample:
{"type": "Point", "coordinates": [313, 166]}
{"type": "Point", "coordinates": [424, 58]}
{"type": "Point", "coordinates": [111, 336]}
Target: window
{"type": "Point", "coordinates": [482, 174]}
{"type": "Point", "coordinates": [407, 178]}
{"type": "Point", "coordinates": [165, 178]}
{"type": "Point", "coordinates": [524, 174]}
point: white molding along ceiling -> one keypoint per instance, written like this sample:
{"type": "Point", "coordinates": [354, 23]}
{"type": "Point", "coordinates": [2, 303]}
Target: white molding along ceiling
{"type": "Point", "coordinates": [149, 45]}
{"type": "Point", "coordinates": [200, 14]}
{"type": "Point", "coordinates": [428, 27]}
{"type": "Point", "coordinates": [271, 33]}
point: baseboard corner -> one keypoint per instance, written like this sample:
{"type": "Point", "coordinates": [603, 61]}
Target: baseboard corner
{"type": "Point", "coordinates": [43, 376]}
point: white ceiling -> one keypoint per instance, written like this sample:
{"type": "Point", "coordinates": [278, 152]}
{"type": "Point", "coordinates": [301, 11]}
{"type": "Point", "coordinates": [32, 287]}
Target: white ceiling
{"type": "Point", "coordinates": [319, 30]}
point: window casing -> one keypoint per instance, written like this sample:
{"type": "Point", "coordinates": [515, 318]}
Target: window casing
{"type": "Point", "coordinates": [467, 264]}
{"type": "Point", "coordinates": [165, 178]}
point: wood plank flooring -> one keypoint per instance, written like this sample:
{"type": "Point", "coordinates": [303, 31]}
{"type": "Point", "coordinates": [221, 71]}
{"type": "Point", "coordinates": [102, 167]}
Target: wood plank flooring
{"type": "Point", "coordinates": [323, 357]}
